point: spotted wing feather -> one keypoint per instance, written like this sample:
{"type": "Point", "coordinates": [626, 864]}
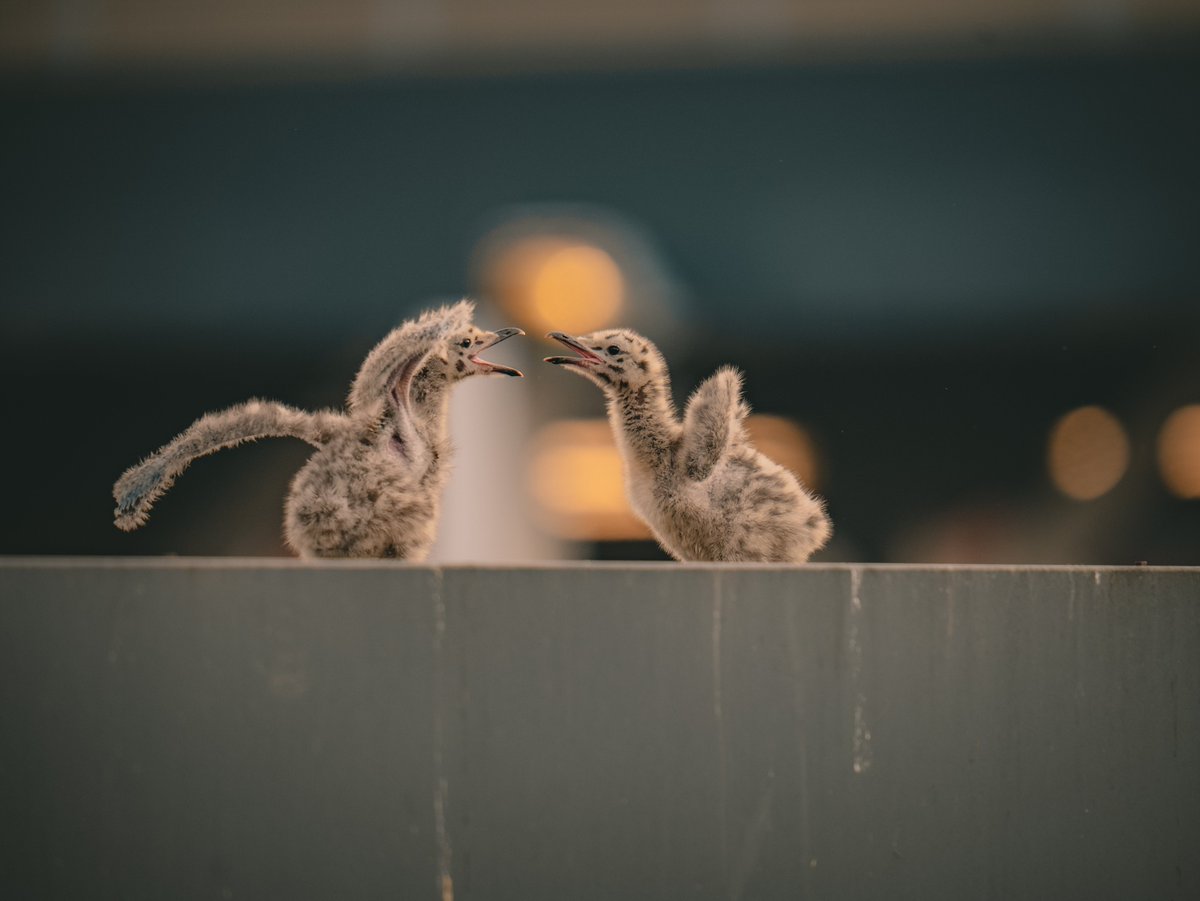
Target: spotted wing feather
{"type": "Point", "coordinates": [712, 420]}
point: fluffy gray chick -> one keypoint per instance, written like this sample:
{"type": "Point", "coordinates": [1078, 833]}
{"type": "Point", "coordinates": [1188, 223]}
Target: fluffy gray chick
{"type": "Point", "coordinates": [373, 488]}
{"type": "Point", "coordinates": [703, 489]}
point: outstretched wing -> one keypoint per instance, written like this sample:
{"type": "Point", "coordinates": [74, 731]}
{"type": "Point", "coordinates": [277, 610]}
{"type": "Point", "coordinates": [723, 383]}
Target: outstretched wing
{"type": "Point", "coordinates": [712, 420]}
{"type": "Point", "coordinates": [140, 486]}
{"type": "Point", "coordinates": [396, 359]}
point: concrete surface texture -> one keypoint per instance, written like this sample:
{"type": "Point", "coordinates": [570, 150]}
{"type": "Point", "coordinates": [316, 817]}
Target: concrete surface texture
{"type": "Point", "coordinates": [271, 729]}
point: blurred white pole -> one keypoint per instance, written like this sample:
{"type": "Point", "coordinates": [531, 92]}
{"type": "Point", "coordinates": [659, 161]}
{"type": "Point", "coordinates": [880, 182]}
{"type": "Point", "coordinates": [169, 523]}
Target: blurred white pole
{"type": "Point", "coordinates": [486, 510]}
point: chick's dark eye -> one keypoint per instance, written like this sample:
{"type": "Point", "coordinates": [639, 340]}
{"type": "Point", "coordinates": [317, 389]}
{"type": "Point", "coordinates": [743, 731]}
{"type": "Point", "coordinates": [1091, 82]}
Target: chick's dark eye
{"type": "Point", "coordinates": [465, 342]}
{"type": "Point", "coordinates": [613, 350]}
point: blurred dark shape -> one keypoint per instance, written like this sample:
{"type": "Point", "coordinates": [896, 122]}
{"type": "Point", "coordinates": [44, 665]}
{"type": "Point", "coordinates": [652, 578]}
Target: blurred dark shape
{"type": "Point", "coordinates": [363, 36]}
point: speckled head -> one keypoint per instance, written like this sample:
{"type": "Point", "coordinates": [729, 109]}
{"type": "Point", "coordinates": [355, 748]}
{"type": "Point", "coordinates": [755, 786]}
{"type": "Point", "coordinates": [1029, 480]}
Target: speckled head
{"type": "Point", "coordinates": [615, 359]}
{"type": "Point", "coordinates": [463, 348]}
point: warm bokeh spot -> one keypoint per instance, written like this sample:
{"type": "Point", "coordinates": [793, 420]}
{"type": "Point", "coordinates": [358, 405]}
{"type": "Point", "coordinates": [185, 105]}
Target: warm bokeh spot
{"type": "Point", "coordinates": [1088, 453]}
{"type": "Point", "coordinates": [552, 284]}
{"type": "Point", "coordinates": [1179, 452]}
{"type": "Point", "coordinates": [577, 483]}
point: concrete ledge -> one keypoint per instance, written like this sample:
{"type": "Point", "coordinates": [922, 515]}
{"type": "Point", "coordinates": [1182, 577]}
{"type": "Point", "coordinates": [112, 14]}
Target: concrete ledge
{"type": "Point", "coordinates": [186, 728]}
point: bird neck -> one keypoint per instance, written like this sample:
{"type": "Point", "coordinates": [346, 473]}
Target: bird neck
{"type": "Point", "coordinates": [431, 399]}
{"type": "Point", "coordinates": [645, 421]}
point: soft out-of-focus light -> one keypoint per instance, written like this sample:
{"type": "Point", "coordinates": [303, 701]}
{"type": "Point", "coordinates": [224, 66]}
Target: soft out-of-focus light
{"type": "Point", "coordinates": [577, 482]}
{"type": "Point", "coordinates": [553, 284]}
{"type": "Point", "coordinates": [788, 444]}
{"type": "Point", "coordinates": [1088, 453]}
{"type": "Point", "coordinates": [1179, 452]}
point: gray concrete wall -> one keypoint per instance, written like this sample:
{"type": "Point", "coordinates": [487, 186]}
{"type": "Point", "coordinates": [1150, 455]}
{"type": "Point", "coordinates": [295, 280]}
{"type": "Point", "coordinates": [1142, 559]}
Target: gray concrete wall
{"type": "Point", "coordinates": [269, 729]}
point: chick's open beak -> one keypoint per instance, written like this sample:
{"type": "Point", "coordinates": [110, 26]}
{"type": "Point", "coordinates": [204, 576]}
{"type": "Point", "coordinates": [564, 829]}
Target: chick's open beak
{"type": "Point", "coordinates": [585, 358]}
{"type": "Point", "coordinates": [500, 335]}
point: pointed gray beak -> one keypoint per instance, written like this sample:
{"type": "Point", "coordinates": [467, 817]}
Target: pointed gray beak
{"type": "Point", "coordinates": [500, 335]}
{"type": "Point", "coordinates": [586, 357]}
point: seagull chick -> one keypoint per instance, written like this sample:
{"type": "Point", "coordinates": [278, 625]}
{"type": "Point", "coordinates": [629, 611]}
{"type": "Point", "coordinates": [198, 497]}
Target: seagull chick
{"type": "Point", "coordinates": [703, 489]}
{"type": "Point", "coordinates": [373, 488]}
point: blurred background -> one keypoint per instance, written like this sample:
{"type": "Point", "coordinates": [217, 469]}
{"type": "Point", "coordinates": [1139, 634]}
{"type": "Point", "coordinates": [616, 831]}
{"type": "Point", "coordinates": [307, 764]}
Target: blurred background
{"type": "Point", "coordinates": [955, 248]}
